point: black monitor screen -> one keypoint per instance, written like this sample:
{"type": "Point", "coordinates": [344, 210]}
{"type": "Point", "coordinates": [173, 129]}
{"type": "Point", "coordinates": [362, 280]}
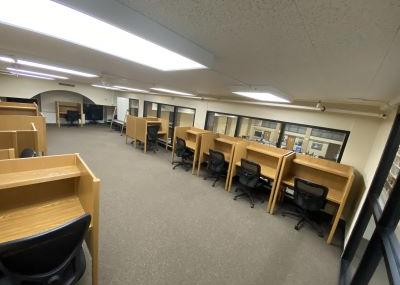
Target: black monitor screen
{"type": "Point", "coordinates": [258, 134]}
{"type": "Point", "coordinates": [93, 112]}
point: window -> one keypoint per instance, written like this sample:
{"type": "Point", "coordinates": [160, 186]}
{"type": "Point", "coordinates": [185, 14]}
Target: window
{"type": "Point", "coordinates": [376, 261]}
{"type": "Point", "coordinates": [150, 109]}
{"type": "Point", "coordinates": [314, 141]}
{"type": "Point", "coordinates": [221, 123]}
{"type": "Point", "coordinates": [176, 115]}
{"type": "Point", "coordinates": [263, 131]}
{"type": "Point", "coordinates": [134, 107]}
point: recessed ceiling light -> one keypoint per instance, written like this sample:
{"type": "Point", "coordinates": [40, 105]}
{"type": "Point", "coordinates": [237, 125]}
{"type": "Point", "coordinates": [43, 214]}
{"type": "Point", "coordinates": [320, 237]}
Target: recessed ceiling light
{"type": "Point", "coordinates": [6, 59]}
{"type": "Point", "coordinates": [30, 75]}
{"type": "Point", "coordinates": [54, 68]}
{"type": "Point", "coordinates": [131, 89]}
{"type": "Point", "coordinates": [262, 96]}
{"type": "Point", "coordinates": [106, 87]}
{"type": "Point", "coordinates": [56, 20]}
{"type": "Point", "coordinates": [172, 91]}
{"type": "Point", "coordinates": [36, 73]}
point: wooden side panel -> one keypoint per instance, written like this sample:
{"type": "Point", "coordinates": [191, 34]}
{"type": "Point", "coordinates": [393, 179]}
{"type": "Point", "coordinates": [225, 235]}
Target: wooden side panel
{"type": "Point", "coordinates": [240, 152]}
{"type": "Point", "coordinates": [27, 139]}
{"type": "Point", "coordinates": [131, 126]}
{"type": "Point", "coordinates": [141, 129]}
{"type": "Point", "coordinates": [8, 139]}
{"type": "Point", "coordinates": [87, 190]}
{"type": "Point", "coordinates": [11, 108]}
{"type": "Point", "coordinates": [7, 153]}
{"type": "Point", "coordinates": [207, 143]}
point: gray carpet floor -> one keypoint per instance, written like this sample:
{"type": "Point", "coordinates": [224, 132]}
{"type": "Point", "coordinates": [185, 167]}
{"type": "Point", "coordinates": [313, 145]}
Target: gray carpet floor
{"type": "Point", "coordinates": [164, 226]}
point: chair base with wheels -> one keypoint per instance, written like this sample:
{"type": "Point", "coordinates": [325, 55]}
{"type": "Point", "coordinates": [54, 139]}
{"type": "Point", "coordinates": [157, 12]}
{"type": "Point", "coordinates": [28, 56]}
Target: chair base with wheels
{"type": "Point", "coordinates": [304, 218]}
{"type": "Point", "coordinates": [185, 163]}
{"type": "Point", "coordinates": [216, 177]}
{"type": "Point", "coordinates": [245, 193]}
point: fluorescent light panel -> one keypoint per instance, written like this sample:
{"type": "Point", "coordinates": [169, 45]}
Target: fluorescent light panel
{"type": "Point", "coordinates": [131, 89]}
{"type": "Point", "coordinates": [30, 75]}
{"type": "Point", "coordinates": [6, 59]}
{"type": "Point", "coordinates": [36, 73]}
{"type": "Point", "coordinates": [106, 87]}
{"type": "Point", "coordinates": [54, 68]}
{"type": "Point", "coordinates": [262, 96]}
{"type": "Point", "coordinates": [56, 20]}
{"type": "Point", "coordinates": [172, 91]}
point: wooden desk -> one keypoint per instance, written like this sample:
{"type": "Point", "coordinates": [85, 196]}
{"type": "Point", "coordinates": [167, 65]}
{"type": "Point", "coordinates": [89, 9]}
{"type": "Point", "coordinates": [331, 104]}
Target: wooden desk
{"type": "Point", "coordinates": [7, 153]}
{"type": "Point", "coordinates": [19, 139]}
{"type": "Point", "coordinates": [63, 107]}
{"type": "Point", "coordinates": [25, 109]}
{"type": "Point", "coordinates": [20, 123]}
{"type": "Point", "coordinates": [41, 193]}
{"type": "Point", "coordinates": [337, 177]}
{"type": "Point", "coordinates": [269, 158]}
{"type": "Point", "coordinates": [218, 142]}
{"type": "Point", "coordinates": [136, 129]}
{"type": "Point", "coordinates": [192, 138]}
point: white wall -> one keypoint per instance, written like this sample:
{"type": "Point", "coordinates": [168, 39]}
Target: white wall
{"type": "Point", "coordinates": [22, 87]}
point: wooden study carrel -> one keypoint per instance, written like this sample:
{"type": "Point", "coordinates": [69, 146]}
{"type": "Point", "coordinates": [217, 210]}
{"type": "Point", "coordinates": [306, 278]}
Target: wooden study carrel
{"type": "Point", "coordinates": [41, 193]}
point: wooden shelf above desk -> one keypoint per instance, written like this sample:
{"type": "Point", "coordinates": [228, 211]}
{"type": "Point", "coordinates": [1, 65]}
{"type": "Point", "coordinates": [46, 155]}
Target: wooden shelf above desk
{"type": "Point", "coordinates": [21, 178]}
{"type": "Point", "coordinates": [224, 140]}
{"type": "Point", "coordinates": [191, 145]}
{"type": "Point", "coordinates": [38, 218]}
{"type": "Point", "coordinates": [264, 151]}
{"type": "Point", "coordinates": [334, 195]}
{"type": "Point", "coordinates": [322, 167]}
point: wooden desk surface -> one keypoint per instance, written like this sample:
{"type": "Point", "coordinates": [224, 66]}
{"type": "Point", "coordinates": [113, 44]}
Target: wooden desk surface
{"type": "Point", "coordinates": [263, 151]}
{"type": "Point", "coordinates": [321, 167]}
{"type": "Point", "coordinates": [266, 171]}
{"type": "Point", "coordinates": [22, 178]}
{"type": "Point", "coordinates": [334, 195]}
{"type": "Point", "coordinates": [38, 218]}
{"type": "Point", "coordinates": [190, 144]}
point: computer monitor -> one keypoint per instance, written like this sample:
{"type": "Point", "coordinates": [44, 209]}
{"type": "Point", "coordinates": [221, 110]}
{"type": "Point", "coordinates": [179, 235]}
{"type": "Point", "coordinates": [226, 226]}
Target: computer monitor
{"type": "Point", "coordinates": [258, 134]}
{"type": "Point", "coordinates": [93, 112]}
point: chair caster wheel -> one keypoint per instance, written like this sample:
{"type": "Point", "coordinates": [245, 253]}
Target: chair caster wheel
{"type": "Point", "coordinates": [234, 198]}
{"type": "Point", "coordinates": [320, 235]}
{"type": "Point", "coordinates": [296, 228]}
{"type": "Point", "coordinates": [252, 206]}
{"type": "Point", "coordinates": [283, 215]}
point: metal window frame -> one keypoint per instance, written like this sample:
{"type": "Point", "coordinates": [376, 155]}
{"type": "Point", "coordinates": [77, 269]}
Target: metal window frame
{"type": "Point", "coordinates": [383, 243]}
{"type": "Point", "coordinates": [282, 129]}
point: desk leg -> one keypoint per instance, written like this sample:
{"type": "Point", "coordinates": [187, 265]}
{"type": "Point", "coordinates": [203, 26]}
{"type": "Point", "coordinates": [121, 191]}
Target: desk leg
{"type": "Point", "coordinates": [275, 196]}
{"type": "Point", "coordinates": [126, 139]}
{"type": "Point", "coordinates": [272, 198]}
{"type": "Point", "coordinates": [194, 161]}
{"type": "Point", "coordinates": [335, 223]}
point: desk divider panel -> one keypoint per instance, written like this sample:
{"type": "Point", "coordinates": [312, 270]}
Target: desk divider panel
{"type": "Point", "coordinates": [12, 108]}
{"type": "Point", "coordinates": [8, 153]}
{"type": "Point", "coordinates": [337, 177]}
{"type": "Point", "coordinates": [41, 193]}
{"type": "Point", "coordinates": [23, 122]}
{"type": "Point", "coordinates": [130, 127]}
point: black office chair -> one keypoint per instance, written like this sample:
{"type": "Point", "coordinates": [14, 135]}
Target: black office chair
{"type": "Point", "coordinates": [184, 153]}
{"type": "Point", "coordinates": [152, 137]}
{"type": "Point", "coordinates": [72, 117]}
{"type": "Point", "coordinates": [309, 198]}
{"type": "Point", "coordinates": [54, 257]}
{"type": "Point", "coordinates": [216, 166]}
{"type": "Point", "coordinates": [249, 176]}
{"type": "Point", "coordinates": [28, 152]}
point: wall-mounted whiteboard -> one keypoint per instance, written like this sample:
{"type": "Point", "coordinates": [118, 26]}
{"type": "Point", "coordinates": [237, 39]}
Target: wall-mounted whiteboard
{"type": "Point", "coordinates": [122, 107]}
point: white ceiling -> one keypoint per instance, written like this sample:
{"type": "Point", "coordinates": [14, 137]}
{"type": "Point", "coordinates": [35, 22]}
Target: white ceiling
{"type": "Point", "coordinates": [310, 49]}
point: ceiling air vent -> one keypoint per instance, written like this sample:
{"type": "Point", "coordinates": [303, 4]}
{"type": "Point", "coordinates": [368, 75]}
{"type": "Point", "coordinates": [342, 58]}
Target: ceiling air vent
{"type": "Point", "coordinates": [66, 84]}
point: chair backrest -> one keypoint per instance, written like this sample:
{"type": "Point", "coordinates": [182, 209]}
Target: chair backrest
{"type": "Point", "coordinates": [72, 115]}
{"type": "Point", "coordinates": [28, 152]}
{"type": "Point", "coordinates": [249, 173]}
{"type": "Point", "coordinates": [46, 257]}
{"type": "Point", "coordinates": [152, 132]}
{"type": "Point", "coordinates": [308, 195]}
{"type": "Point", "coordinates": [216, 161]}
{"type": "Point", "coordinates": [180, 147]}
